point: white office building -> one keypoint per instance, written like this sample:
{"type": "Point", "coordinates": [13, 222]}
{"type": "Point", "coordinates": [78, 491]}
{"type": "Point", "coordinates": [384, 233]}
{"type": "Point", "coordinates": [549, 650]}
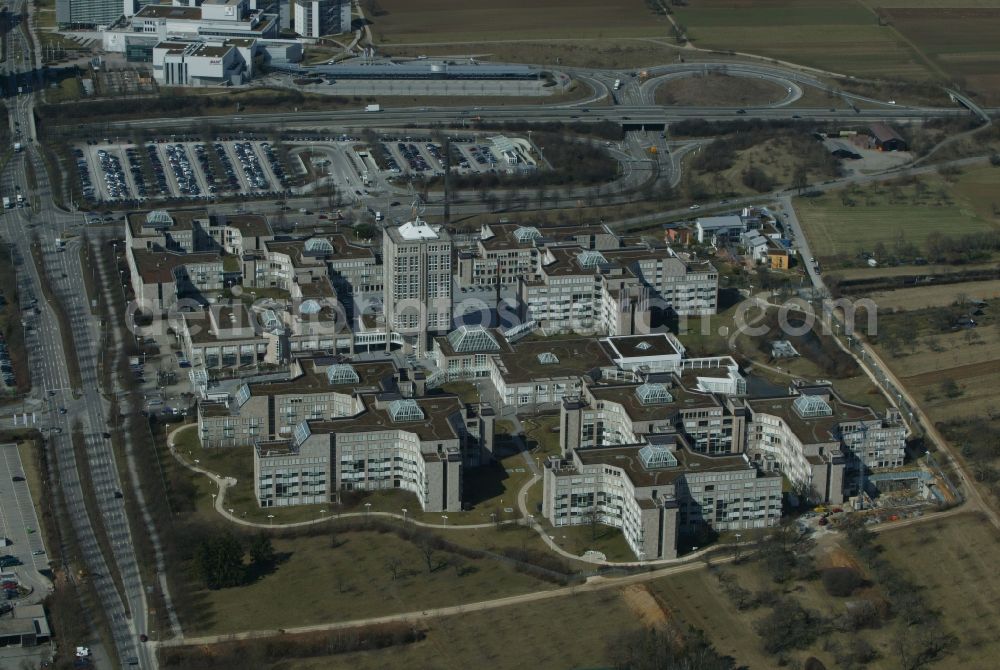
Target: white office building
{"type": "Point", "coordinates": [316, 18]}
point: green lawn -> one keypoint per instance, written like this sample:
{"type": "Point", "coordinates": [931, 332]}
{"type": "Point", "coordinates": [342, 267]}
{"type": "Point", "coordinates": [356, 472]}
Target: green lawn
{"type": "Point", "coordinates": [542, 441]}
{"type": "Point", "coordinates": [316, 582]}
{"type": "Point", "coordinates": [466, 392]}
{"type": "Point", "coordinates": [844, 222]}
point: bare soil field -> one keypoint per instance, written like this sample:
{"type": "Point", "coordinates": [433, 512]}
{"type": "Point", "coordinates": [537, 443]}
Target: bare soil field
{"type": "Point", "coordinates": [960, 41]}
{"type": "Point", "coordinates": [597, 53]}
{"type": "Point", "coordinates": [936, 296]}
{"type": "Point", "coordinates": [719, 90]}
{"type": "Point", "coordinates": [840, 37]}
{"type": "Point", "coordinates": [431, 21]}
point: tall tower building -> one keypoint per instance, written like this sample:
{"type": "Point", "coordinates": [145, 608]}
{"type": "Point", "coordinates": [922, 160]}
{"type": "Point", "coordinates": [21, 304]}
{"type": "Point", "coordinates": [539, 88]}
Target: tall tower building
{"type": "Point", "coordinates": [416, 261]}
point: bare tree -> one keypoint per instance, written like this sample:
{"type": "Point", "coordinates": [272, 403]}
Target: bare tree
{"type": "Point", "coordinates": [429, 552]}
{"type": "Point", "coordinates": [394, 564]}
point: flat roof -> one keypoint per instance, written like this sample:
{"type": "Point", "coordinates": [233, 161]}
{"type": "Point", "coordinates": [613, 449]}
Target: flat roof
{"type": "Point", "coordinates": [182, 220]}
{"type": "Point", "coordinates": [312, 380]}
{"type": "Point", "coordinates": [577, 357]}
{"type": "Point", "coordinates": [503, 234]}
{"type": "Point", "coordinates": [169, 12]}
{"type": "Point", "coordinates": [812, 430]}
{"type": "Point", "coordinates": [726, 221]}
{"type": "Point", "coordinates": [158, 266]}
{"type": "Point", "coordinates": [627, 458]}
{"type": "Point", "coordinates": [435, 424]}
{"type": "Point", "coordinates": [640, 346]}
{"type": "Point", "coordinates": [625, 395]}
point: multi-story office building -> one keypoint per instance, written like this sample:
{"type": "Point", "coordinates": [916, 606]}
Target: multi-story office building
{"type": "Point", "coordinates": [817, 440]}
{"type": "Point", "coordinates": [654, 489]}
{"type": "Point", "coordinates": [613, 413]}
{"type": "Point", "coordinates": [413, 444]}
{"type": "Point", "coordinates": [161, 279]}
{"type": "Point", "coordinates": [682, 285]}
{"type": "Point", "coordinates": [416, 261]}
{"type": "Point", "coordinates": [506, 252]}
{"type": "Point", "coordinates": [577, 291]}
{"type": "Point", "coordinates": [316, 18]}
{"type": "Point", "coordinates": [76, 13]}
{"type": "Point", "coordinates": [318, 389]}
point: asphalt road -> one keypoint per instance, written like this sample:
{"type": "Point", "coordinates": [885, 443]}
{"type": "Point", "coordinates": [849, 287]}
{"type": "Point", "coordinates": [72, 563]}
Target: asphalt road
{"type": "Point", "coordinates": [50, 380]}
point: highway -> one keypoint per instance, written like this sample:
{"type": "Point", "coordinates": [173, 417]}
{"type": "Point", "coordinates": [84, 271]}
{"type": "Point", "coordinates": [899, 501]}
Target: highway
{"type": "Point", "coordinates": [52, 393]}
{"type": "Point", "coordinates": [635, 115]}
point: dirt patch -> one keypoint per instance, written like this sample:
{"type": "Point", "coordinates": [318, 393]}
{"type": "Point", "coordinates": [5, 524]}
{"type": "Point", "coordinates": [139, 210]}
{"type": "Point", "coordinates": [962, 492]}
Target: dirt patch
{"type": "Point", "coordinates": [719, 89]}
{"type": "Point", "coordinates": [837, 557]}
{"type": "Point", "coordinates": [645, 607]}
{"type": "Point", "coordinates": [957, 373]}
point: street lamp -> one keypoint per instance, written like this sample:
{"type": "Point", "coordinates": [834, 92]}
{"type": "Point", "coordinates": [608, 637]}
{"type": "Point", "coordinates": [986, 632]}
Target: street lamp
{"type": "Point", "coordinates": [270, 518]}
{"type": "Point", "coordinates": [404, 515]}
{"type": "Point", "coordinates": [445, 517]}
{"type": "Point", "coordinates": [368, 508]}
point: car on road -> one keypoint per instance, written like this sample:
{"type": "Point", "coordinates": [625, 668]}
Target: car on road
{"type": "Point", "coordinates": [394, 204]}
{"type": "Point", "coordinates": [693, 207]}
{"type": "Point", "coordinates": [38, 552]}
{"type": "Point", "coordinates": [741, 111]}
{"type": "Point", "coordinates": [17, 478]}
{"type": "Point", "coordinates": [144, 638]}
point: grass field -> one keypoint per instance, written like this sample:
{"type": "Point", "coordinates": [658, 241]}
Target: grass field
{"type": "Point", "coordinates": [435, 21]}
{"type": "Point", "coordinates": [884, 212]}
{"type": "Point", "coordinates": [316, 582]}
{"type": "Point", "coordinates": [835, 35]}
{"type": "Point", "coordinates": [719, 89]}
{"type": "Point", "coordinates": [568, 632]}
{"type": "Point", "coordinates": [954, 560]}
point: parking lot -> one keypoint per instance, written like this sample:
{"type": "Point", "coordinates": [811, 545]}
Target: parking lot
{"type": "Point", "coordinates": [18, 522]}
{"type": "Point", "coordinates": [184, 169]}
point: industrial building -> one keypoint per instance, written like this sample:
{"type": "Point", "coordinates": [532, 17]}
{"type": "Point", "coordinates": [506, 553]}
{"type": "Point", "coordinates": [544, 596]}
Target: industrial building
{"type": "Point", "coordinates": [316, 18]}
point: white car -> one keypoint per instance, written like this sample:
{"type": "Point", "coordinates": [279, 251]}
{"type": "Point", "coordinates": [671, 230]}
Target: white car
{"type": "Point", "coordinates": [695, 207]}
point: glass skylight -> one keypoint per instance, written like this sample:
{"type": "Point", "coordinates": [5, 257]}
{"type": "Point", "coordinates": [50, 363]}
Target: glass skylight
{"type": "Point", "coordinates": [406, 409]}
{"type": "Point", "coordinates": [472, 338]}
